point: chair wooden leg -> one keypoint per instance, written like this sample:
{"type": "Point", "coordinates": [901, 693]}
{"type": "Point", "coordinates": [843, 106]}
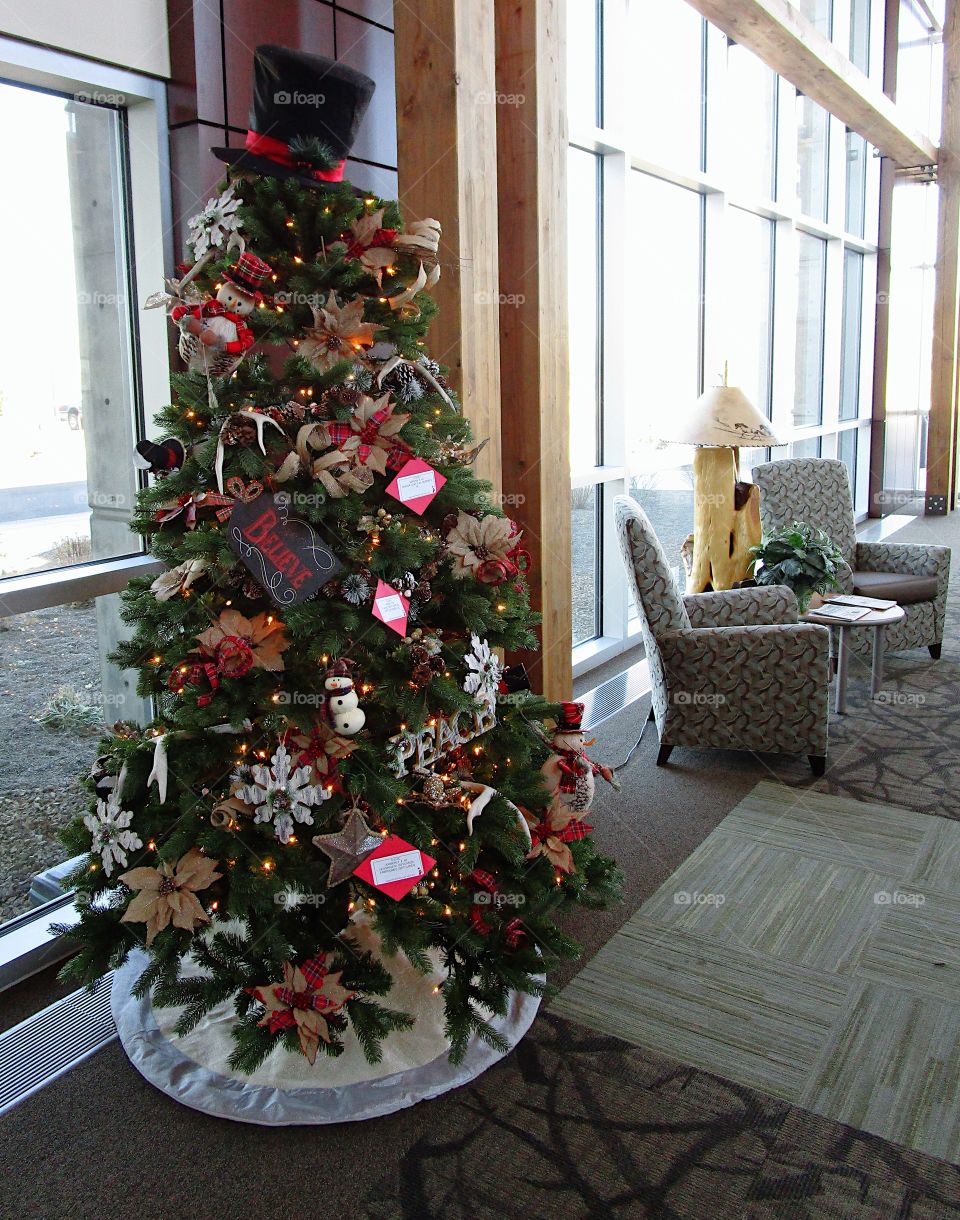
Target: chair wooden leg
{"type": "Point", "coordinates": [818, 764]}
{"type": "Point", "coordinates": [934, 650]}
{"type": "Point", "coordinates": [663, 754]}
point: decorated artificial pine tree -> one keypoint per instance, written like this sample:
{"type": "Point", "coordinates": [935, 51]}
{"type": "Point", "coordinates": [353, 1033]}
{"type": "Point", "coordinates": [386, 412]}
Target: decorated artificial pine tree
{"type": "Point", "coordinates": [337, 771]}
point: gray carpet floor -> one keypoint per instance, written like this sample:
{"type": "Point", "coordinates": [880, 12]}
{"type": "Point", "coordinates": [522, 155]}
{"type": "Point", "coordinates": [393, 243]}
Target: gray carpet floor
{"type": "Point", "coordinates": [573, 1123]}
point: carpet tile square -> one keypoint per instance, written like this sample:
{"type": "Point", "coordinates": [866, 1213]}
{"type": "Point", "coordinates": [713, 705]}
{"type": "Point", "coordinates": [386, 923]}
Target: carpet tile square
{"type": "Point", "coordinates": [809, 948]}
{"type": "Point", "coordinates": [916, 945]}
{"type": "Point", "coordinates": [820, 915]}
{"type": "Point", "coordinates": [937, 865]}
{"type": "Point", "coordinates": [892, 1067]}
{"type": "Point", "coordinates": [759, 1021]}
{"type": "Point", "coordinates": [878, 838]}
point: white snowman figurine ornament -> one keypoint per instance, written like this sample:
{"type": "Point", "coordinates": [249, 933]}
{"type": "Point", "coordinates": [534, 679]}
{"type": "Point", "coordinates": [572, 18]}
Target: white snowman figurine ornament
{"type": "Point", "coordinates": [343, 707]}
{"type": "Point", "coordinates": [214, 335]}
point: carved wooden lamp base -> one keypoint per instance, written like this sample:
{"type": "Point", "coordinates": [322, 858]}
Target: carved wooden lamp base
{"type": "Point", "coordinates": [726, 521]}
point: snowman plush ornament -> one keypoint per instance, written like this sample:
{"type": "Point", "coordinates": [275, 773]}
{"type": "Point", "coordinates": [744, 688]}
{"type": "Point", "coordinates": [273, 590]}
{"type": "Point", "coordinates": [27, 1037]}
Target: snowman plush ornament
{"type": "Point", "coordinates": [568, 773]}
{"type": "Point", "coordinates": [343, 707]}
{"type": "Point", "coordinates": [214, 335]}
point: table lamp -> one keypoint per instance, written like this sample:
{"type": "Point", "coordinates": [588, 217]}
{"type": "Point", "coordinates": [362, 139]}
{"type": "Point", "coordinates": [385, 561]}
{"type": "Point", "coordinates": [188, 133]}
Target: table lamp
{"type": "Point", "coordinates": [726, 511]}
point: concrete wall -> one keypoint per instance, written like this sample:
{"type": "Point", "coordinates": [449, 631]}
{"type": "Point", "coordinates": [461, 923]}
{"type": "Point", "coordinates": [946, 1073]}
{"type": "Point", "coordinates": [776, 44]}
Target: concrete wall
{"type": "Point", "coordinates": [131, 33]}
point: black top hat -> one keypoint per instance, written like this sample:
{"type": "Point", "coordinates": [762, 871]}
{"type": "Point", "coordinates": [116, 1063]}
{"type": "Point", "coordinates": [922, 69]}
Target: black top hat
{"type": "Point", "coordinates": [302, 103]}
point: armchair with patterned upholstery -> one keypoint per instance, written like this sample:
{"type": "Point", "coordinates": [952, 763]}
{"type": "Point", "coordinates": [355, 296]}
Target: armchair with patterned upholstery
{"type": "Point", "coordinates": [731, 670]}
{"type": "Point", "coordinates": [915, 575]}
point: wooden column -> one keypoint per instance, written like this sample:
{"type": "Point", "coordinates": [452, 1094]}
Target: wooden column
{"type": "Point", "coordinates": [447, 166]}
{"type": "Point", "coordinates": [942, 431]}
{"type": "Point", "coordinates": [534, 346]}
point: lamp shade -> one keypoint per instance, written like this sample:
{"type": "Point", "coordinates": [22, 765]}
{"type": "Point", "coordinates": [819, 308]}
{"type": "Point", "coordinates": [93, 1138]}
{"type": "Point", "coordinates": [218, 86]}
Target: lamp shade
{"type": "Point", "coordinates": [721, 416]}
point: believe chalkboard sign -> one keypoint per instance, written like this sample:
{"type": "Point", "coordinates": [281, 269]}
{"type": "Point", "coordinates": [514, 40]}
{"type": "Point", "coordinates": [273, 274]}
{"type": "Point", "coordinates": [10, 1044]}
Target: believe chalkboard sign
{"type": "Point", "coordinates": [283, 553]}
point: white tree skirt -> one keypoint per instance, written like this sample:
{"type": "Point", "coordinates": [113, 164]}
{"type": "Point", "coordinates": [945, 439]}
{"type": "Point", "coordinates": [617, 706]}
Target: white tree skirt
{"type": "Point", "coordinates": [285, 1089]}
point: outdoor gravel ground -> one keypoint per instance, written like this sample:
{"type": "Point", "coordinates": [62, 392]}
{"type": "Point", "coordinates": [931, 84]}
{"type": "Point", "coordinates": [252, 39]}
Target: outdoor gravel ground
{"type": "Point", "coordinates": [40, 653]}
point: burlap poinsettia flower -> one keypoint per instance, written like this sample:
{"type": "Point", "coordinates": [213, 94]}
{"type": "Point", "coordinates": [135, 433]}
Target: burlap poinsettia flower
{"type": "Point", "coordinates": [473, 543]}
{"type": "Point", "coordinates": [370, 435]}
{"type": "Point", "coordinates": [308, 995]}
{"type": "Point", "coordinates": [372, 244]}
{"type": "Point", "coordinates": [338, 333]}
{"type": "Point", "coordinates": [238, 643]}
{"type": "Point", "coordinates": [557, 826]}
{"type": "Point", "coordinates": [168, 893]}
{"type": "Point", "coordinates": [177, 580]}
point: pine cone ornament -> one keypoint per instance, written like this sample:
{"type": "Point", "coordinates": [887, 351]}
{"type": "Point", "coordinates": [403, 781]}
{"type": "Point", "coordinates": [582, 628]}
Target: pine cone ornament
{"type": "Point", "coordinates": [421, 675]}
{"type": "Point", "coordinates": [239, 430]}
{"type": "Point", "coordinates": [434, 370]}
{"type": "Point", "coordinates": [403, 383]}
{"type": "Point", "coordinates": [339, 398]}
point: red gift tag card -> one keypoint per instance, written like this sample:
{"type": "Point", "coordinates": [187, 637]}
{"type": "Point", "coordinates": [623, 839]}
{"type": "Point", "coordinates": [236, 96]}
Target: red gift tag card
{"type": "Point", "coordinates": [395, 867]}
{"type": "Point", "coordinates": [391, 608]}
{"type": "Point", "coordinates": [415, 485]}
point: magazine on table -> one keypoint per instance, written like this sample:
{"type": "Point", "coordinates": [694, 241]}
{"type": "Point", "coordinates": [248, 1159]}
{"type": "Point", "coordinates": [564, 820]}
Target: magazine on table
{"type": "Point", "coordinates": [868, 603]}
{"type": "Point", "coordinates": [842, 614]}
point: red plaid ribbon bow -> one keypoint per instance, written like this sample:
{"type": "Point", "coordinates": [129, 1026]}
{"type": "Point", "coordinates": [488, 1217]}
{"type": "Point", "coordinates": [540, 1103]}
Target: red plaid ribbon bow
{"type": "Point", "coordinates": [314, 971]}
{"type": "Point", "coordinates": [196, 674]}
{"type": "Point", "coordinates": [574, 829]}
{"type": "Point", "coordinates": [340, 431]}
{"type": "Point", "coordinates": [237, 491]}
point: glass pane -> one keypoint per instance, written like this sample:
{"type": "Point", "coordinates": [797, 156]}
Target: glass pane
{"type": "Point", "coordinates": [813, 143]}
{"type": "Point", "coordinates": [811, 277]}
{"type": "Point", "coordinates": [59, 692]}
{"type": "Point", "coordinates": [582, 64]}
{"type": "Point", "coordinates": [820, 12]}
{"type": "Point", "coordinates": [847, 453]}
{"type": "Point", "coordinates": [665, 319]}
{"type": "Point", "coordinates": [666, 62]}
{"type": "Point", "coordinates": [856, 192]}
{"type": "Point", "coordinates": [67, 479]}
{"type": "Point", "coordinates": [749, 287]}
{"type": "Point", "coordinates": [583, 504]}
{"type": "Point", "coordinates": [750, 122]}
{"type": "Point", "coordinates": [860, 34]}
{"type": "Point", "coordinates": [851, 339]}
{"type": "Point", "coordinates": [920, 69]}
{"type": "Point", "coordinates": [583, 280]}
{"type": "Point", "coordinates": [810, 447]}
{"type": "Point", "coordinates": [913, 249]}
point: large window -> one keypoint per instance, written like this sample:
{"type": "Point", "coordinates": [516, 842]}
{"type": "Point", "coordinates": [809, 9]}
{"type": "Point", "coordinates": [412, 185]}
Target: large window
{"type": "Point", "coordinates": [722, 220]}
{"type": "Point", "coordinates": [81, 367]}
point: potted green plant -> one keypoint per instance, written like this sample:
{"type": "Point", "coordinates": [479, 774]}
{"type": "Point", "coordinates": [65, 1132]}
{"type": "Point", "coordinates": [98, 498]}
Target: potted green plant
{"type": "Point", "coordinates": [800, 556]}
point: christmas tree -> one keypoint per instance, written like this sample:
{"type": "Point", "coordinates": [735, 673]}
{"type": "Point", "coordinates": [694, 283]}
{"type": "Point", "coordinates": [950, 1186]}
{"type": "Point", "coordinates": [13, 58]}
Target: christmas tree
{"type": "Point", "coordinates": [335, 742]}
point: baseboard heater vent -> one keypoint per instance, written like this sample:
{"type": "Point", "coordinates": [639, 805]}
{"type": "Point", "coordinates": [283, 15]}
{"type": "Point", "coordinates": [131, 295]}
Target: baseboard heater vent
{"type": "Point", "coordinates": [52, 1041]}
{"type": "Point", "coordinates": [615, 694]}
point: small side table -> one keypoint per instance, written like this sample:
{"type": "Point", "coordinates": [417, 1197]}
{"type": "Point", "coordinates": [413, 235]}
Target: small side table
{"type": "Point", "coordinates": [879, 620]}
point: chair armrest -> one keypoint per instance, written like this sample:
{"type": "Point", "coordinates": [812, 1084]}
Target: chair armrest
{"type": "Point", "coordinates": [771, 604]}
{"type": "Point", "coordinates": [762, 658]}
{"type": "Point", "coordinates": [906, 559]}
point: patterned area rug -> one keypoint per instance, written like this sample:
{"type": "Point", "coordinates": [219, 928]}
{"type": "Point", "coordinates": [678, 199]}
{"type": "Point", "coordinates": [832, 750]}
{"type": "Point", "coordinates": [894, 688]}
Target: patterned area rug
{"type": "Point", "coordinates": [903, 747]}
{"type": "Point", "coordinates": [809, 948]}
{"type": "Point", "coordinates": [578, 1124]}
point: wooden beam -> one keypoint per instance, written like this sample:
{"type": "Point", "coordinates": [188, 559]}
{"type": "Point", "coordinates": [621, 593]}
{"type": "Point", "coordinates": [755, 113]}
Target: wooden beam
{"type": "Point", "coordinates": [790, 44]}
{"type": "Point", "coordinates": [942, 427]}
{"type": "Point", "coordinates": [446, 140]}
{"type": "Point", "coordinates": [534, 348]}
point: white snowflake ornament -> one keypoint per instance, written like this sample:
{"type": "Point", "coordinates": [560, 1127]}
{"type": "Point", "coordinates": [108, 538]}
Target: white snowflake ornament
{"type": "Point", "coordinates": [281, 797]}
{"type": "Point", "coordinates": [213, 227]}
{"type": "Point", "coordinates": [111, 838]}
{"type": "Point", "coordinates": [485, 671]}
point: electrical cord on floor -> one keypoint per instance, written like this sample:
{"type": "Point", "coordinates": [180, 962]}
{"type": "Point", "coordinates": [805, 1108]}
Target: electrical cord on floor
{"type": "Point", "coordinates": [618, 767]}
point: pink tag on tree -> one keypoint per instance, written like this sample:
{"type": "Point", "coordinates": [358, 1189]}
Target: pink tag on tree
{"type": "Point", "coordinates": [391, 608]}
{"type": "Point", "coordinates": [395, 867]}
{"type": "Point", "coordinates": [415, 485]}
